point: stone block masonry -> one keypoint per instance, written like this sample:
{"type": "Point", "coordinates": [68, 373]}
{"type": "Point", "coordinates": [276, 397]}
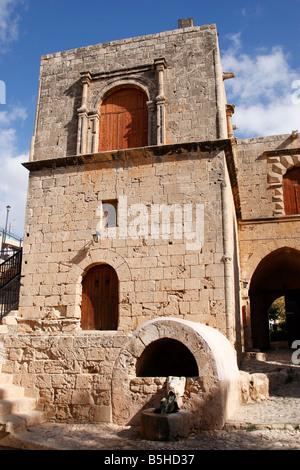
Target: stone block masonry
{"type": "Point", "coordinates": [70, 376]}
{"type": "Point", "coordinates": [158, 275]}
{"type": "Point", "coordinates": [185, 96]}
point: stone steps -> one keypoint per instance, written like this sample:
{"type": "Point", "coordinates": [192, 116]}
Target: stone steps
{"type": "Point", "coordinates": [17, 411]}
{"type": "Point", "coordinates": [8, 324]}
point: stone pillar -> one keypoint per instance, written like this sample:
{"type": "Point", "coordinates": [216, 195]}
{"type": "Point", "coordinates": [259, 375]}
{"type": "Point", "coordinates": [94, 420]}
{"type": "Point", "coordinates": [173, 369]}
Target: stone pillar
{"type": "Point", "coordinates": [151, 123]}
{"type": "Point", "coordinates": [82, 115]}
{"type": "Point", "coordinates": [160, 65]}
{"type": "Point", "coordinates": [229, 113]}
{"type": "Point", "coordinates": [93, 132]}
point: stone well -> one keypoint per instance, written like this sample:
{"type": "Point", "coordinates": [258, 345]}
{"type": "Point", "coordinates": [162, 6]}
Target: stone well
{"type": "Point", "coordinates": [212, 385]}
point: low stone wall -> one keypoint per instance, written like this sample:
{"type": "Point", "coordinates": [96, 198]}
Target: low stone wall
{"type": "Point", "coordinates": [90, 377]}
{"type": "Point", "coordinates": [69, 375]}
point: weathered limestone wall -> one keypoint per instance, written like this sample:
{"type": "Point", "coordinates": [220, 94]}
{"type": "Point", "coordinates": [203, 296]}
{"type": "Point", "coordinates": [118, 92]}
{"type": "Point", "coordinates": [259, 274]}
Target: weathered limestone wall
{"type": "Point", "coordinates": [260, 162]}
{"type": "Point", "coordinates": [264, 228]}
{"type": "Point", "coordinates": [69, 375]}
{"type": "Point", "coordinates": [158, 276]}
{"type": "Point", "coordinates": [192, 85]}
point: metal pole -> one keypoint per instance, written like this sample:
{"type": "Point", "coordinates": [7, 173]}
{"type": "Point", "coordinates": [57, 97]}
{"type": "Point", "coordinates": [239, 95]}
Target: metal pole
{"type": "Point", "coordinates": [4, 234]}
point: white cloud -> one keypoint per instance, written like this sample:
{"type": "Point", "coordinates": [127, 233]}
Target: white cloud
{"type": "Point", "coordinates": [13, 176]}
{"type": "Point", "coordinates": [262, 90]}
{"type": "Point", "coordinates": [13, 191]}
{"type": "Point", "coordinates": [9, 21]}
{"type": "Point", "coordinates": [16, 112]}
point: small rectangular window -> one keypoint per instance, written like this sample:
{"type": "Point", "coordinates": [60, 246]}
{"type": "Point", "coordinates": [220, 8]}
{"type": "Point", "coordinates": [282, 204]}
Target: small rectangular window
{"type": "Point", "coordinates": [110, 213]}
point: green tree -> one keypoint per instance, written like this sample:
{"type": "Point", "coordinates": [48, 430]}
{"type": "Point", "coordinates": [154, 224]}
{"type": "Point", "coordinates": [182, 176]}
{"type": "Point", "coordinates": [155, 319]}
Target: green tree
{"type": "Point", "coordinates": [277, 311]}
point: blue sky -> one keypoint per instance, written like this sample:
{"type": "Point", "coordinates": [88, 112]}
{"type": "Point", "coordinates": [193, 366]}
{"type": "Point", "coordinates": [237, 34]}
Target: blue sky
{"type": "Point", "coordinates": [259, 41]}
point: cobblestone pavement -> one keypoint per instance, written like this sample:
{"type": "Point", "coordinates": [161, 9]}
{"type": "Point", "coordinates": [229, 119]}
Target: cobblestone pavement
{"type": "Point", "coordinates": [270, 425]}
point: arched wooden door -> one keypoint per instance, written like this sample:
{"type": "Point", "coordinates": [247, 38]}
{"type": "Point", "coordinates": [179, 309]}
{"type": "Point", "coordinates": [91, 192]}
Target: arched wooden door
{"type": "Point", "coordinates": [99, 307]}
{"type": "Point", "coordinates": [124, 120]}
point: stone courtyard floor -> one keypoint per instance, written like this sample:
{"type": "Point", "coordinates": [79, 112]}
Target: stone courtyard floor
{"type": "Point", "coordinates": [270, 425]}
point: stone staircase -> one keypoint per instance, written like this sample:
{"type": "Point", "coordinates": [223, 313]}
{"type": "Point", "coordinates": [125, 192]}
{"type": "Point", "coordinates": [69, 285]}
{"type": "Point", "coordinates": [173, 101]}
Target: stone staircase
{"type": "Point", "coordinates": [8, 324]}
{"type": "Point", "coordinates": [17, 411]}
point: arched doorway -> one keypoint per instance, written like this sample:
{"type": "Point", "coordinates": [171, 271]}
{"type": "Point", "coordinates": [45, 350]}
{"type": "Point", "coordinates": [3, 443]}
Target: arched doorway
{"type": "Point", "coordinates": [124, 120]}
{"type": "Point", "coordinates": [99, 307]}
{"type": "Point", "coordinates": [277, 275]}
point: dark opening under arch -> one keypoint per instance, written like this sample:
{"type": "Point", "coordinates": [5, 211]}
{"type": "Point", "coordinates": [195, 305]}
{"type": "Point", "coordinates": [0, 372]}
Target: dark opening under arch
{"type": "Point", "coordinates": [278, 274]}
{"type": "Point", "coordinates": [166, 357]}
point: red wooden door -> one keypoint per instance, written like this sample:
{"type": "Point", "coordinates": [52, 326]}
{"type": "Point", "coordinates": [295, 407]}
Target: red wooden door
{"type": "Point", "coordinates": [291, 191]}
{"type": "Point", "coordinates": [124, 120]}
{"type": "Point", "coordinates": [99, 308]}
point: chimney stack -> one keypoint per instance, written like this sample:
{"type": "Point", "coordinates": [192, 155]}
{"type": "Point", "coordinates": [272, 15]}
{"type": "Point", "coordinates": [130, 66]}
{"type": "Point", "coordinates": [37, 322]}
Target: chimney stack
{"type": "Point", "coordinates": [185, 23]}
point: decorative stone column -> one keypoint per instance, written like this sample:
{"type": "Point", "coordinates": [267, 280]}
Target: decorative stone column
{"type": "Point", "coordinates": [82, 115]}
{"type": "Point", "coordinates": [229, 113]}
{"type": "Point", "coordinates": [93, 132]}
{"type": "Point", "coordinates": [151, 123]}
{"type": "Point", "coordinates": [160, 65]}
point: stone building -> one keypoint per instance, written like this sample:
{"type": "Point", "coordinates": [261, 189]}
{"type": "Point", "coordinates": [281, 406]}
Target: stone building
{"type": "Point", "coordinates": [154, 239]}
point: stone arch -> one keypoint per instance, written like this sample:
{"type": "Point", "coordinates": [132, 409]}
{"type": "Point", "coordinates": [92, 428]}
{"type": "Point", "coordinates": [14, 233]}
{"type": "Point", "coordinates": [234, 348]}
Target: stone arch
{"type": "Point", "coordinates": [215, 389]}
{"type": "Point", "coordinates": [276, 274]}
{"type": "Point", "coordinates": [115, 83]}
{"type": "Point", "coordinates": [98, 256]}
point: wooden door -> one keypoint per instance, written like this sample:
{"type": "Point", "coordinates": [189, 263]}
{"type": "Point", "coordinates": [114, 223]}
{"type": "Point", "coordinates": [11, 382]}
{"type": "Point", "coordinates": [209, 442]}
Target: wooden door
{"type": "Point", "coordinates": [124, 120]}
{"type": "Point", "coordinates": [99, 308]}
{"type": "Point", "coordinates": [291, 191]}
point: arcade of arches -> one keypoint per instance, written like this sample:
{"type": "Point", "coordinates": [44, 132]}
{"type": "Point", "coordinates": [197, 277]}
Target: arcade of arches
{"type": "Point", "coordinates": [278, 274]}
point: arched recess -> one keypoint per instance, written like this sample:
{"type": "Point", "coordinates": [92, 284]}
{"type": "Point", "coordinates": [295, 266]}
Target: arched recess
{"type": "Point", "coordinates": [278, 274]}
{"type": "Point", "coordinates": [123, 119]}
{"type": "Point", "coordinates": [216, 393]}
{"type": "Point", "coordinates": [100, 298]}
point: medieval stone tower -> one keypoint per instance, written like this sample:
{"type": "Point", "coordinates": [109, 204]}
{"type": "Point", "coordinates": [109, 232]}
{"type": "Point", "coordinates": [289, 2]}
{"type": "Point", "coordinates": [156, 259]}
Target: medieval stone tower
{"type": "Point", "coordinates": [146, 224]}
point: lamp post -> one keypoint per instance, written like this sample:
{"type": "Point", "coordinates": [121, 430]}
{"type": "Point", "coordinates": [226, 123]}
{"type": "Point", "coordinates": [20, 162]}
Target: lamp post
{"type": "Point", "coordinates": [5, 231]}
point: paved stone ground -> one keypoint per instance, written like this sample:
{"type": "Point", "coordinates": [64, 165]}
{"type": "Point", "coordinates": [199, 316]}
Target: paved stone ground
{"type": "Point", "coordinates": [270, 425]}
